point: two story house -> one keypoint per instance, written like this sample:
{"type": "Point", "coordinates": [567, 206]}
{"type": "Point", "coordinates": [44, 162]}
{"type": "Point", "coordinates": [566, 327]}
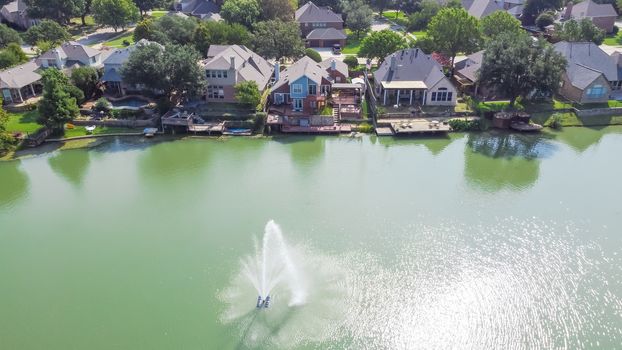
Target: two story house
{"type": "Point", "coordinates": [227, 65]}
{"type": "Point", "coordinates": [206, 10]}
{"type": "Point", "coordinates": [114, 63]}
{"type": "Point", "coordinates": [603, 15]}
{"type": "Point", "coordinates": [16, 13]}
{"type": "Point", "coordinates": [71, 54]}
{"type": "Point", "coordinates": [303, 87]}
{"type": "Point", "coordinates": [410, 77]}
{"type": "Point", "coordinates": [320, 26]}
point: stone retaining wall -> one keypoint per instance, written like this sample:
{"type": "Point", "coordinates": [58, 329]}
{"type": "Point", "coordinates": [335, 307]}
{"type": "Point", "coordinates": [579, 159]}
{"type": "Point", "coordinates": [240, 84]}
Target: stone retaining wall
{"type": "Point", "coordinates": [123, 123]}
{"type": "Point", "coordinates": [598, 112]}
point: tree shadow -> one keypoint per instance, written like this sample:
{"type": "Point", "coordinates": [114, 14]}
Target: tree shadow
{"type": "Point", "coordinates": [14, 183]}
{"type": "Point", "coordinates": [305, 150]}
{"type": "Point", "coordinates": [71, 165]}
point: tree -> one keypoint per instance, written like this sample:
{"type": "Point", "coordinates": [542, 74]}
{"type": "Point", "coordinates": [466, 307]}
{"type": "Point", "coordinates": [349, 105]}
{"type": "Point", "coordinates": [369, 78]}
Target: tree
{"type": "Point", "coordinates": [517, 66]}
{"type": "Point", "coordinates": [48, 31]}
{"type": "Point", "coordinates": [452, 31]}
{"type": "Point", "coordinates": [314, 55]}
{"type": "Point", "coordinates": [86, 9]}
{"type": "Point", "coordinates": [245, 12]}
{"type": "Point", "coordinates": [545, 19]}
{"type": "Point", "coordinates": [381, 5]}
{"type": "Point", "coordinates": [86, 79]}
{"type": "Point", "coordinates": [419, 20]}
{"type": "Point", "coordinates": [583, 30]}
{"type": "Point", "coordinates": [146, 5]}
{"type": "Point", "coordinates": [115, 13]}
{"type": "Point", "coordinates": [247, 92]}
{"type": "Point", "coordinates": [379, 45]}
{"type": "Point", "coordinates": [8, 35]}
{"type": "Point", "coordinates": [174, 30]}
{"type": "Point", "coordinates": [276, 9]}
{"type": "Point", "coordinates": [220, 33]}
{"type": "Point", "coordinates": [6, 138]}
{"type": "Point", "coordinates": [535, 7]}
{"type": "Point", "coordinates": [278, 39]}
{"type": "Point", "coordinates": [12, 56]}
{"type": "Point", "coordinates": [60, 11]}
{"type": "Point", "coordinates": [144, 30]}
{"type": "Point", "coordinates": [57, 106]}
{"type": "Point", "coordinates": [499, 22]}
{"type": "Point", "coordinates": [359, 16]}
{"type": "Point", "coordinates": [351, 61]}
{"type": "Point", "coordinates": [174, 70]}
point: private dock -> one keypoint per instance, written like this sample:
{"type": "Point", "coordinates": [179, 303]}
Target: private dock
{"type": "Point", "coordinates": [411, 126]}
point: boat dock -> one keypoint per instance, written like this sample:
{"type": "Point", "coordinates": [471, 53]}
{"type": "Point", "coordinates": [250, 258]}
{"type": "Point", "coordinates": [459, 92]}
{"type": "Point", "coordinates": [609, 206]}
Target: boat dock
{"type": "Point", "coordinates": [411, 126]}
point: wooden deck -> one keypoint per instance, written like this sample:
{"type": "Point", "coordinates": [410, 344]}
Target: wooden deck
{"type": "Point", "coordinates": [334, 129]}
{"type": "Point", "coordinates": [411, 126]}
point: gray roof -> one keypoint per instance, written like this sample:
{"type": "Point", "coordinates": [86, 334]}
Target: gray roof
{"type": "Point", "coordinates": [112, 75]}
{"type": "Point", "coordinates": [339, 65]}
{"type": "Point", "coordinates": [589, 8]}
{"type": "Point", "coordinates": [585, 60]}
{"type": "Point", "coordinates": [214, 50]}
{"type": "Point", "coordinates": [471, 65]}
{"type": "Point", "coordinates": [303, 67]}
{"type": "Point", "coordinates": [329, 33]}
{"type": "Point", "coordinates": [72, 51]}
{"type": "Point", "coordinates": [411, 65]}
{"type": "Point", "coordinates": [310, 13]}
{"type": "Point", "coordinates": [16, 6]}
{"type": "Point", "coordinates": [19, 76]}
{"type": "Point", "coordinates": [480, 8]}
{"type": "Point", "coordinates": [205, 7]}
{"type": "Point", "coordinates": [120, 56]}
{"type": "Point", "coordinates": [249, 66]}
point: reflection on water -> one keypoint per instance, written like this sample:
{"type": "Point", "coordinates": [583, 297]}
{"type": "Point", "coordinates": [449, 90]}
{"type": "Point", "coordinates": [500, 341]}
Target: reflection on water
{"type": "Point", "coordinates": [434, 144]}
{"type": "Point", "coordinates": [499, 160]}
{"type": "Point", "coordinates": [580, 139]}
{"type": "Point", "coordinates": [13, 183]}
{"type": "Point", "coordinates": [305, 150]}
{"type": "Point", "coordinates": [72, 165]}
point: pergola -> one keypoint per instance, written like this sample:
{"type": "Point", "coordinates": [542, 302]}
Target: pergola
{"type": "Point", "coordinates": [401, 90]}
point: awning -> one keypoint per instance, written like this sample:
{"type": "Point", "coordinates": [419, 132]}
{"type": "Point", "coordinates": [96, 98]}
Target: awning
{"type": "Point", "coordinates": [404, 85]}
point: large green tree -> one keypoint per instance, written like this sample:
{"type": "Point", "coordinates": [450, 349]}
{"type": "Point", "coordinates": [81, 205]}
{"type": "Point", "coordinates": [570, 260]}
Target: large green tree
{"type": "Point", "coordinates": [454, 31]}
{"type": "Point", "coordinates": [174, 30]}
{"type": "Point", "coordinates": [58, 10]}
{"type": "Point", "coordinates": [174, 70]}
{"type": "Point", "coordinates": [379, 45]}
{"type": "Point", "coordinates": [245, 12]}
{"type": "Point", "coordinates": [117, 14]}
{"type": "Point", "coordinates": [518, 67]}
{"type": "Point", "coordinates": [277, 9]}
{"type": "Point", "coordinates": [86, 10]}
{"type": "Point", "coordinates": [86, 79]}
{"type": "Point", "coordinates": [57, 106]}
{"type": "Point", "coordinates": [146, 5]}
{"type": "Point", "coordinates": [48, 31]}
{"type": "Point", "coordinates": [278, 39]}
{"type": "Point", "coordinates": [535, 7]}
{"type": "Point", "coordinates": [582, 30]}
{"type": "Point", "coordinates": [247, 92]}
{"type": "Point", "coordinates": [6, 138]}
{"type": "Point", "coordinates": [359, 16]}
{"type": "Point", "coordinates": [499, 22]}
{"type": "Point", "coordinates": [8, 35]}
{"type": "Point", "coordinates": [220, 33]}
{"type": "Point", "coordinates": [12, 55]}
{"type": "Point", "coordinates": [419, 20]}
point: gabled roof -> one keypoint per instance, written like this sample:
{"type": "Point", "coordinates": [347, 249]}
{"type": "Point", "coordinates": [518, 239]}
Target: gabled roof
{"type": "Point", "coordinates": [329, 33]}
{"type": "Point", "coordinates": [15, 6]}
{"type": "Point", "coordinates": [584, 59]}
{"type": "Point", "coordinates": [249, 66]}
{"type": "Point", "coordinates": [120, 56]}
{"type": "Point", "coordinates": [310, 12]}
{"type": "Point", "coordinates": [205, 7]}
{"type": "Point", "coordinates": [589, 8]}
{"type": "Point", "coordinates": [412, 68]}
{"type": "Point", "coordinates": [72, 51]}
{"type": "Point", "coordinates": [581, 76]}
{"type": "Point", "coordinates": [472, 65]}
{"type": "Point", "coordinates": [19, 76]}
{"type": "Point", "coordinates": [303, 67]}
{"type": "Point", "coordinates": [481, 8]}
{"type": "Point", "coordinates": [339, 65]}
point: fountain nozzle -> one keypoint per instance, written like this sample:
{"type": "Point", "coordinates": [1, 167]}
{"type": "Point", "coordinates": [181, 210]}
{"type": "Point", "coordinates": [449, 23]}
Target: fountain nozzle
{"type": "Point", "coordinates": [266, 302]}
{"type": "Point", "coordinates": [259, 302]}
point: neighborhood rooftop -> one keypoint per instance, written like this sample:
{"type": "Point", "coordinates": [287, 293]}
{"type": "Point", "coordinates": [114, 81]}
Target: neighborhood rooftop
{"type": "Point", "coordinates": [310, 12]}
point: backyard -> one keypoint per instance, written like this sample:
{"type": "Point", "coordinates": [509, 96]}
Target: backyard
{"type": "Point", "coordinates": [353, 44]}
{"type": "Point", "coordinates": [25, 122]}
{"type": "Point", "coordinates": [118, 42]}
{"type": "Point", "coordinates": [613, 40]}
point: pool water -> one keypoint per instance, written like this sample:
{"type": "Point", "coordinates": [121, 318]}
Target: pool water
{"type": "Point", "coordinates": [131, 102]}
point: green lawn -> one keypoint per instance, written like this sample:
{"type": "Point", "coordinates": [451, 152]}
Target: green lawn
{"type": "Point", "coordinates": [613, 40]}
{"type": "Point", "coordinates": [100, 130]}
{"type": "Point", "coordinates": [23, 122]}
{"type": "Point", "coordinates": [420, 34]}
{"type": "Point", "coordinates": [118, 41]}
{"type": "Point", "coordinates": [158, 14]}
{"type": "Point", "coordinates": [571, 119]}
{"type": "Point", "coordinates": [76, 29]}
{"type": "Point", "coordinates": [401, 19]}
{"type": "Point", "coordinates": [353, 45]}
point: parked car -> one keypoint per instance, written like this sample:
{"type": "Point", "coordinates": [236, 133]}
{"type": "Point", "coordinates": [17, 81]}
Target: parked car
{"type": "Point", "coordinates": [337, 49]}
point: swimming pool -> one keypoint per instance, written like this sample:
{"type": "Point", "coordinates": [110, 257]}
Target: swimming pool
{"type": "Point", "coordinates": [129, 103]}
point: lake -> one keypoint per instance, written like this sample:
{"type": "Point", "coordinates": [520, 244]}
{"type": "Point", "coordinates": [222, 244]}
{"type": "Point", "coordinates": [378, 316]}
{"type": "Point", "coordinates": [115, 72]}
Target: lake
{"type": "Point", "coordinates": [480, 241]}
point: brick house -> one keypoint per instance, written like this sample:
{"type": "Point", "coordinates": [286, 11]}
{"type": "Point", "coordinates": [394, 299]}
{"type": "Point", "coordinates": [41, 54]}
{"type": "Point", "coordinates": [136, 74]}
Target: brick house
{"type": "Point", "coordinates": [320, 26]}
{"type": "Point", "coordinates": [602, 15]}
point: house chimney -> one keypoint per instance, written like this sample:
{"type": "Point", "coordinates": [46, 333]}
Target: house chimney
{"type": "Point", "coordinates": [568, 11]}
{"type": "Point", "coordinates": [232, 58]}
{"type": "Point", "coordinates": [333, 65]}
{"type": "Point", "coordinates": [277, 71]}
{"type": "Point", "coordinates": [393, 66]}
{"type": "Point", "coordinates": [59, 61]}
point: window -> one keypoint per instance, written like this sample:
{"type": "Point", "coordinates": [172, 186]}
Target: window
{"type": "Point", "coordinates": [298, 104]}
{"type": "Point", "coordinates": [219, 74]}
{"type": "Point", "coordinates": [297, 89]}
{"type": "Point", "coordinates": [442, 95]}
{"type": "Point", "coordinates": [312, 89]}
{"type": "Point", "coordinates": [224, 73]}
{"type": "Point", "coordinates": [279, 99]}
{"type": "Point", "coordinates": [214, 91]}
{"type": "Point", "coordinates": [313, 104]}
{"type": "Point", "coordinates": [596, 91]}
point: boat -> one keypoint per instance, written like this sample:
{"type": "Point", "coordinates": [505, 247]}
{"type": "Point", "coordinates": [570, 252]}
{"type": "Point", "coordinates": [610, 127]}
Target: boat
{"type": "Point", "coordinates": [150, 132]}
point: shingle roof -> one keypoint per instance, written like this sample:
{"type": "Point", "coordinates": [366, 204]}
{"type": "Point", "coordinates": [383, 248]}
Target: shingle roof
{"type": "Point", "coordinates": [481, 8]}
{"type": "Point", "coordinates": [303, 67]}
{"type": "Point", "coordinates": [326, 34]}
{"type": "Point", "coordinates": [19, 76]}
{"type": "Point", "coordinates": [248, 65]}
{"type": "Point", "coordinates": [72, 51]}
{"type": "Point", "coordinates": [205, 7]}
{"type": "Point", "coordinates": [589, 8]}
{"type": "Point", "coordinates": [584, 59]}
{"type": "Point", "coordinates": [310, 12]}
{"type": "Point", "coordinates": [472, 65]}
{"type": "Point", "coordinates": [411, 65]}
{"type": "Point", "coordinates": [339, 65]}
{"type": "Point", "coordinates": [16, 6]}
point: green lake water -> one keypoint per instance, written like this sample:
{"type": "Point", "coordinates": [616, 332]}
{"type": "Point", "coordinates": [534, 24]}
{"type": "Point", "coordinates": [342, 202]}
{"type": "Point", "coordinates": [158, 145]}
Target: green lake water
{"type": "Point", "coordinates": [474, 241]}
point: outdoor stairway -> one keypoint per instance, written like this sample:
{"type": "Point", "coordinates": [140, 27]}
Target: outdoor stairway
{"type": "Point", "coordinates": [336, 114]}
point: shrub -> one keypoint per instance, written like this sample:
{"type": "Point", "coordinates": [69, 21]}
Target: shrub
{"type": "Point", "coordinates": [126, 43]}
{"type": "Point", "coordinates": [115, 113]}
{"type": "Point", "coordinates": [365, 128]}
{"type": "Point", "coordinates": [465, 125]}
{"type": "Point", "coordinates": [128, 113]}
{"type": "Point", "coordinates": [102, 105]}
{"type": "Point", "coordinates": [545, 19]}
{"type": "Point", "coordinates": [351, 61]}
{"type": "Point", "coordinates": [314, 55]}
{"type": "Point", "coordinates": [615, 30]}
{"type": "Point", "coordinates": [556, 121]}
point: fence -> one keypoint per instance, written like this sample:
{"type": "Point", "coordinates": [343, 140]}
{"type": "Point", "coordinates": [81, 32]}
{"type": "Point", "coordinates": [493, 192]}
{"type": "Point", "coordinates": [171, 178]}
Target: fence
{"type": "Point", "coordinates": [371, 99]}
{"type": "Point", "coordinates": [122, 123]}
